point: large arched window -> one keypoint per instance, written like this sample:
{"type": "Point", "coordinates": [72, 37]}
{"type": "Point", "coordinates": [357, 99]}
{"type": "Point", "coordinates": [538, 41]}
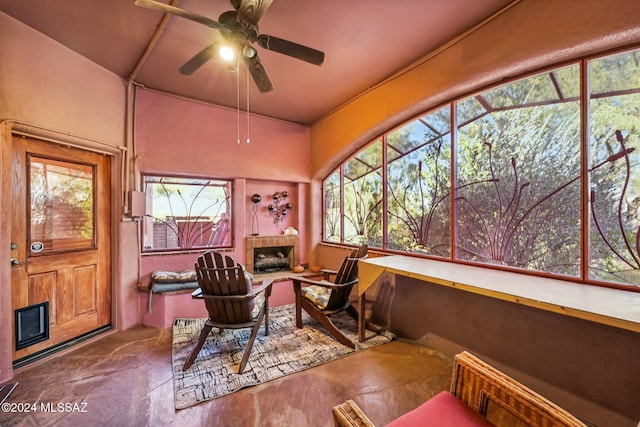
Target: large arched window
{"type": "Point", "coordinates": [541, 174]}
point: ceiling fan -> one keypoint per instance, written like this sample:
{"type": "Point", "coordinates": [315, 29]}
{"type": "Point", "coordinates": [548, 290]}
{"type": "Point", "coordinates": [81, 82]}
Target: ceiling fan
{"type": "Point", "coordinates": [239, 27]}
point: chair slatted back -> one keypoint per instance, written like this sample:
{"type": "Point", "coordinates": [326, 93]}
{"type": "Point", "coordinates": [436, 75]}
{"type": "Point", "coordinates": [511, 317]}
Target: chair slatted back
{"type": "Point", "coordinates": [221, 276]}
{"type": "Point", "coordinates": [347, 273]}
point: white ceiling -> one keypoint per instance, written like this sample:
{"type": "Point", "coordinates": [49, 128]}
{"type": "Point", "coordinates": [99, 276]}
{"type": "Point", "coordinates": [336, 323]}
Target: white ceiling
{"type": "Point", "coordinates": [365, 41]}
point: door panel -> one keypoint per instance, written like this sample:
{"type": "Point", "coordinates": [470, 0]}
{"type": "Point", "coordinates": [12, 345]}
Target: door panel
{"type": "Point", "coordinates": [61, 202]}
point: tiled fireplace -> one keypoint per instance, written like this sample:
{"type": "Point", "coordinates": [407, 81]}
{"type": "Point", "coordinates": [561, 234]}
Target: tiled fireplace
{"type": "Point", "coordinates": [287, 246]}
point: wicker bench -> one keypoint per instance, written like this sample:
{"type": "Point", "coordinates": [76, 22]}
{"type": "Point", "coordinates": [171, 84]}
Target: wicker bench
{"type": "Point", "coordinates": [480, 395]}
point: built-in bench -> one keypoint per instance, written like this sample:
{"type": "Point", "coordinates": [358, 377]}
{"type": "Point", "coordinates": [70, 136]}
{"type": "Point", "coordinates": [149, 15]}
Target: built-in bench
{"type": "Point", "coordinates": [165, 281]}
{"type": "Point", "coordinates": [613, 307]}
{"type": "Point", "coordinates": [167, 296]}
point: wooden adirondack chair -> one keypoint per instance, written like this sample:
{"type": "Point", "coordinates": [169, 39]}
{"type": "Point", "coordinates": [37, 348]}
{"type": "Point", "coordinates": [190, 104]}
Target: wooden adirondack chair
{"type": "Point", "coordinates": [324, 298]}
{"type": "Point", "coordinates": [231, 301]}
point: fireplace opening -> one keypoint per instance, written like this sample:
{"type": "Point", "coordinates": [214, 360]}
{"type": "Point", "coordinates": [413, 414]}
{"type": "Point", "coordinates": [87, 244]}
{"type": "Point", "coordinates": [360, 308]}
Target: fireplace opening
{"type": "Point", "coordinates": [32, 324]}
{"type": "Point", "coordinates": [271, 259]}
{"type": "Point", "coordinates": [288, 245]}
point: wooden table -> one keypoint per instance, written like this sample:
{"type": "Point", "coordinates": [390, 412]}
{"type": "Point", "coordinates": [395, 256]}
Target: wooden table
{"type": "Point", "coordinates": [608, 306]}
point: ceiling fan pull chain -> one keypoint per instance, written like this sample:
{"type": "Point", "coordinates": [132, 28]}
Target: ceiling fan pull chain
{"type": "Point", "coordinates": [238, 96]}
{"type": "Point", "coordinates": [248, 116]}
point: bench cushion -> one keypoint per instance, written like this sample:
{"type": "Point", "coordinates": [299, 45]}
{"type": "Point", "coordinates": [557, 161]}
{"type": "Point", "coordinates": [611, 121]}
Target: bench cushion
{"type": "Point", "coordinates": [442, 410]}
{"type": "Point", "coordinates": [159, 288]}
{"type": "Point", "coordinates": [166, 276]}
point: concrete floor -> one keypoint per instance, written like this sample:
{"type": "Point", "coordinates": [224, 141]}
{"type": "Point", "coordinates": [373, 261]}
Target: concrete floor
{"type": "Point", "coordinates": [125, 379]}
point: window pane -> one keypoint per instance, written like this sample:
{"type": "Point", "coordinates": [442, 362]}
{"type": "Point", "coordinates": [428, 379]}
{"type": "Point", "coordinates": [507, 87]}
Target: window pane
{"type": "Point", "coordinates": [419, 185]}
{"type": "Point", "coordinates": [614, 240]}
{"type": "Point", "coordinates": [363, 197]}
{"type": "Point", "coordinates": [332, 223]}
{"type": "Point", "coordinates": [518, 189]}
{"type": "Point", "coordinates": [186, 213]}
{"type": "Point", "coordinates": [62, 205]}
{"type": "Point", "coordinates": [537, 89]}
{"type": "Point", "coordinates": [469, 110]}
{"type": "Point", "coordinates": [617, 73]}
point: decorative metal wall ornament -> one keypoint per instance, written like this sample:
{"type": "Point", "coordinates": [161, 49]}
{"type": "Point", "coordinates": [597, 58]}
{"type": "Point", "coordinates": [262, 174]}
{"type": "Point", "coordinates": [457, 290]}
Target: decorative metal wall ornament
{"type": "Point", "coordinates": [255, 229]}
{"type": "Point", "coordinates": [280, 207]}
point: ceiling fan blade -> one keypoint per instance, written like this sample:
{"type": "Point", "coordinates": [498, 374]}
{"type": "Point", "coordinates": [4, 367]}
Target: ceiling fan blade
{"type": "Point", "coordinates": [199, 59]}
{"type": "Point", "coordinates": [292, 49]}
{"type": "Point", "coordinates": [183, 13]}
{"type": "Point", "coordinates": [252, 10]}
{"type": "Point", "coordinates": [258, 73]}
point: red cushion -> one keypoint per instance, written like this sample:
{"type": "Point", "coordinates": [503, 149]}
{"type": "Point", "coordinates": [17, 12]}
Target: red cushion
{"type": "Point", "coordinates": [442, 410]}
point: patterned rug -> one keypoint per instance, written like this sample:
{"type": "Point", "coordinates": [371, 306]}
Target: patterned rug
{"type": "Point", "coordinates": [285, 351]}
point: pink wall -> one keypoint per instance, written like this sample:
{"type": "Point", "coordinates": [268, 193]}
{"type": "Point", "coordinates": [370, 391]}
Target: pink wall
{"type": "Point", "coordinates": [174, 135]}
{"type": "Point", "coordinates": [266, 220]}
{"type": "Point", "coordinates": [202, 140]}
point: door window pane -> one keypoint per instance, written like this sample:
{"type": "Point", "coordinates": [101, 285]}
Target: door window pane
{"type": "Point", "coordinates": [62, 205]}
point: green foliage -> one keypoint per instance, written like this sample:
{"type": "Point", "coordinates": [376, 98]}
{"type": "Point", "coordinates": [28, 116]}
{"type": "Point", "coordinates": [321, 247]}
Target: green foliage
{"type": "Point", "coordinates": [363, 197]}
{"type": "Point", "coordinates": [332, 208]}
{"type": "Point", "coordinates": [419, 182]}
{"type": "Point", "coordinates": [519, 200]}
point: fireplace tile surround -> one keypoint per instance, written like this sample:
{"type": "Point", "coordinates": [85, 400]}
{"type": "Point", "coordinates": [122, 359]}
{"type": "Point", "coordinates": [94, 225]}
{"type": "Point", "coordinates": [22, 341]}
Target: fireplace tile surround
{"type": "Point", "coordinates": [253, 242]}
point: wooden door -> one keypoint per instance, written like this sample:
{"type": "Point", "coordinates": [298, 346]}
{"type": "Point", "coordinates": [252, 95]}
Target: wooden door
{"type": "Point", "coordinates": [60, 238]}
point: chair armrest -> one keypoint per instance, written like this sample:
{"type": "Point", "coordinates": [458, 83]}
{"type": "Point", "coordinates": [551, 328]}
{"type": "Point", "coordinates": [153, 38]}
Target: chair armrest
{"type": "Point", "coordinates": [298, 280]}
{"type": "Point", "coordinates": [348, 414]}
{"type": "Point", "coordinates": [307, 281]}
{"type": "Point", "coordinates": [266, 284]}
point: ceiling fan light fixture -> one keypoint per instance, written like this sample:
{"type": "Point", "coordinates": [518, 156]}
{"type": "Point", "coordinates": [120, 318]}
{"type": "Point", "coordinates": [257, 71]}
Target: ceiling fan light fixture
{"type": "Point", "coordinates": [249, 52]}
{"type": "Point", "coordinates": [239, 27]}
{"type": "Point", "coordinates": [226, 53]}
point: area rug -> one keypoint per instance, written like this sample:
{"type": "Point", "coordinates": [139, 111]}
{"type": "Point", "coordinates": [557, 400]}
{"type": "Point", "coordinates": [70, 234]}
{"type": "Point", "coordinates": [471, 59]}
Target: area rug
{"type": "Point", "coordinates": [284, 351]}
